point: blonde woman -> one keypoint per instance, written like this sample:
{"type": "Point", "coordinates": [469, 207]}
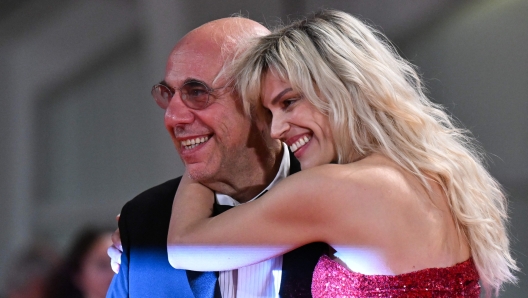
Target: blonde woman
{"type": "Point", "coordinates": [389, 182]}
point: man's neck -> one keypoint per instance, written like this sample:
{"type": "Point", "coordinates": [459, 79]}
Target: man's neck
{"type": "Point", "coordinates": [248, 183]}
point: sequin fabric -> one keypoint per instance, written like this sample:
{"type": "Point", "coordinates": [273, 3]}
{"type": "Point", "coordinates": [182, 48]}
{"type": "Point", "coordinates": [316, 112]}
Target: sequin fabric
{"type": "Point", "coordinates": [331, 279]}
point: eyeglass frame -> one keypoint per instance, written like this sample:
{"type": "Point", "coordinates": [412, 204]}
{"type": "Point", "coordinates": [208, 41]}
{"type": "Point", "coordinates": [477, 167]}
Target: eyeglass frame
{"type": "Point", "coordinates": [164, 103]}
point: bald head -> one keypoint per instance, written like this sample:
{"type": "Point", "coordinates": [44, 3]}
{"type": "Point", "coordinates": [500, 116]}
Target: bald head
{"type": "Point", "coordinates": [216, 42]}
{"type": "Point", "coordinates": [229, 33]}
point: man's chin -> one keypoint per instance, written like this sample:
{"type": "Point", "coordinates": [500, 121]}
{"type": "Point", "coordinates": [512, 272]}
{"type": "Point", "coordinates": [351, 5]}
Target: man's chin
{"type": "Point", "coordinates": [200, 174]}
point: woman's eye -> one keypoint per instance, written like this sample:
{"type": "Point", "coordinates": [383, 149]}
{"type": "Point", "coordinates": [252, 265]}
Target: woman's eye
{"type": "Point", "coordinates": [288, 102]}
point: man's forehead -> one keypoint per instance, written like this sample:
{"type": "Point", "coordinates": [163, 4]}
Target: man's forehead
{"type": "Point", "coordinates": [196, 51]}
{"type": "Point", "coordinates": [184, 56]}
{"type": "Point", "coordinates": [188, 63]}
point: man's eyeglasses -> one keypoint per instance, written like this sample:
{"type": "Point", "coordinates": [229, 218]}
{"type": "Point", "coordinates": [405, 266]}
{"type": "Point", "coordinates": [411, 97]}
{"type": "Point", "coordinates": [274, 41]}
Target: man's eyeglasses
{"type": "Point", "coordinates": [194, 94]}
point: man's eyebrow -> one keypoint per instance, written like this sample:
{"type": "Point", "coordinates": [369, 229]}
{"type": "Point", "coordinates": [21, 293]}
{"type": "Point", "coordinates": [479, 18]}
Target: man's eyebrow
{"type": "Point", "coordinates": [278, 97]}
{"type": "Point", "coordinates": [187, 80]}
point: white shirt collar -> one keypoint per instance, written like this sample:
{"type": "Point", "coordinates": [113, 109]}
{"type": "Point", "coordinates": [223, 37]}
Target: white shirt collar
{"type": "Point", "coordinates": [283, 172]}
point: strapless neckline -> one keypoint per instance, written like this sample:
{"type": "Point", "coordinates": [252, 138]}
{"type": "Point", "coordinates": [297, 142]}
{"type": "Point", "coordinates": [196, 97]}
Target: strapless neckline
{"type": "Point", "coordinates": [332, 279]}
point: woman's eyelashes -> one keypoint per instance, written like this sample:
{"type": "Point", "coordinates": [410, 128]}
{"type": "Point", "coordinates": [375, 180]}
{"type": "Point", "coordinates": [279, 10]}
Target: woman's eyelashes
{"type": "Point", "coordinates": [288, 102]}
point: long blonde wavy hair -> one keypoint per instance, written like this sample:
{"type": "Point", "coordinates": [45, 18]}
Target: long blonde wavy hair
{"type": "Point", "coordinates": [376, 104]}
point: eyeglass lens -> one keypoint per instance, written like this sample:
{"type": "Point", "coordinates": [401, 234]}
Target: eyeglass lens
{"type": "Point", "coordinates": [194, 95]}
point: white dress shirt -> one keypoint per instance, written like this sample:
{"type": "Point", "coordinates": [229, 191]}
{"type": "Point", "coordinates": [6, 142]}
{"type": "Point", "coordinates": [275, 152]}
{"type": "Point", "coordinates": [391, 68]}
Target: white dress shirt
{"type": "Point", "coordinates": [258, 280]}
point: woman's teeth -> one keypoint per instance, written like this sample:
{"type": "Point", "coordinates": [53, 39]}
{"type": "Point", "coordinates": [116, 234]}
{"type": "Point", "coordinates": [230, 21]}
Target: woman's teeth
{"type": "Point", "coordinates": [191, 143]}
{"type": "Point", "coordinates": [300, 142]}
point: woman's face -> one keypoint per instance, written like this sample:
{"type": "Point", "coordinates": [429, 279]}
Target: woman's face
{"type": "Point", "coordinates": [298, 123]}
{"type": "Point", "coordinates": [96, 274]}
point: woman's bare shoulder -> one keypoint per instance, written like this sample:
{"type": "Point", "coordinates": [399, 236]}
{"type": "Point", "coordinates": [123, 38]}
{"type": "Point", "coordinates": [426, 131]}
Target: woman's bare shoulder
{"type": "Point", "coordinates": [367, 174]}
{"type": "Point", "coordinates": [373, 178]}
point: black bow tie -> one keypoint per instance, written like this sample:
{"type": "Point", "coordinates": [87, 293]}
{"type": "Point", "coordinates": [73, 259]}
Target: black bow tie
{"type": "Point", "coordinates": [217, 209]}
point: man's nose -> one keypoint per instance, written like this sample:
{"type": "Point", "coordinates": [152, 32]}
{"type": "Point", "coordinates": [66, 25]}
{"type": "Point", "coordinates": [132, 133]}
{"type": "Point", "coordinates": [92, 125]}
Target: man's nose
{"type": "Point", "coordinates": [177, 113]}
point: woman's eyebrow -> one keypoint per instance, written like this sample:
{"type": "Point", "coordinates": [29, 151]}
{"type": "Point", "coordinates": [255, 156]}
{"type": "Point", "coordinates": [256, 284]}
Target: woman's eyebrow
{"type": "Point", "coordinates": [278, 97]}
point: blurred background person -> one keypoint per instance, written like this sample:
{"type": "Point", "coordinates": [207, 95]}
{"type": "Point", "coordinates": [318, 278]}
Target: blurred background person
{"type": "Point", "coordinates": [85, 271]}
{"type": "Point", "coordinates": [29, 271]}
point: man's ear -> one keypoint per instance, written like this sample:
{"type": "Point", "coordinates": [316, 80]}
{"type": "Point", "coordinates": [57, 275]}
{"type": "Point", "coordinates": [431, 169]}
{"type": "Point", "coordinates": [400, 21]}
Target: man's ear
{"type": "Point", "coordinates": [262, 118]}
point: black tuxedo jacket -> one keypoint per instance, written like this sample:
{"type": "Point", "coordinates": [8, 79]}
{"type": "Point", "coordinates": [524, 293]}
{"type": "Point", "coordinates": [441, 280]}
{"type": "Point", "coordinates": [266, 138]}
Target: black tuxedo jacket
{"type": "Point", "coordinates": [145, 270]}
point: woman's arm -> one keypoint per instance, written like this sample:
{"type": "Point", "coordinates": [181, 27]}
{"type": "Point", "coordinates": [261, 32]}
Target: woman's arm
{"type": "Point", "coordinates": [193, 203]}
{"type": "Point", "coordinates": [288, 216]}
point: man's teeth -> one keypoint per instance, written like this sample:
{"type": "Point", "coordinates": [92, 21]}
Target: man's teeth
{"type": "Point", "coordinates": [301, 142]}
{"type": "Point", "coordinates": [191, 143]}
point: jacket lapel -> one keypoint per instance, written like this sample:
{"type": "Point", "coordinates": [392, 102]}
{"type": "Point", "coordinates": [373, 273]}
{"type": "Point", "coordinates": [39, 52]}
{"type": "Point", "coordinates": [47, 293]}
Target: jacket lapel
{"type": "Point", "coordinates": [298, 264]}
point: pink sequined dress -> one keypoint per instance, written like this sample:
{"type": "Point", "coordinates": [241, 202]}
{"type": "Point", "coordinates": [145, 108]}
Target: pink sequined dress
{"type": "Point", "coordinates": [331, 279]}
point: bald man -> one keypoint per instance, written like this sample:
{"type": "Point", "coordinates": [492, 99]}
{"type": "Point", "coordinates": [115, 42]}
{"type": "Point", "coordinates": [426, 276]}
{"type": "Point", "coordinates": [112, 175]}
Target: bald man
{"type": "Point", "coordinates": [224, 150]}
